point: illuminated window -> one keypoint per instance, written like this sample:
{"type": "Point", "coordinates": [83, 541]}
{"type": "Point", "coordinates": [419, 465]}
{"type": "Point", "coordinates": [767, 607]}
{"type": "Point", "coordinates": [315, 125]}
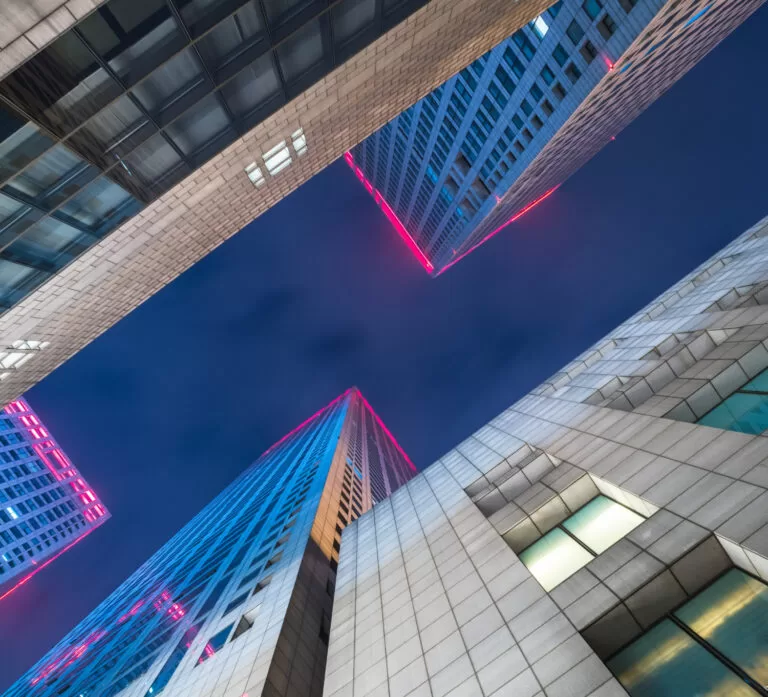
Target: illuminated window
{"type": "Point", "coordinates": [713, 645]}
{"type": "Point", "coordinates": [540, 26]}
{"type": "Point", "coordinates": [255, 174]}
{"type": "Point", "coordinates": [17, 354]}
{"type": "Point", "coordinates": [299, 142]}
{"type": "Point", "coordinates": [215, 643]}
{"type": "Point", "coordinates": [578, 540]}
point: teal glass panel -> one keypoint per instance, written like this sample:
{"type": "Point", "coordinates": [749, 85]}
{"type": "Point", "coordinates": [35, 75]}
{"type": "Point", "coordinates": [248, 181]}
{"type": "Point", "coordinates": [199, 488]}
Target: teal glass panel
{"type": "Point", "coordinates": [601, 523]}
{"type": "Point", "coordinates": [666, 662]}
{"type": "Point", "coordinates": [555, 557]}
{"type": "Point", "coordinates": [759, 383]}
{"type": "Point", "coordinates": [732, 615]}
{"type": "Point", "coordinates": [746, 413]}
{"type": "Point", "coordinates": [215, 643]}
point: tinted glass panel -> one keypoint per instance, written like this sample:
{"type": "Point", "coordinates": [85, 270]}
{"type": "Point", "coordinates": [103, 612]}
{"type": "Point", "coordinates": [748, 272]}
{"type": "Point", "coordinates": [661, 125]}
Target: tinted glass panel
{"type": "Point", "coordinates": [601, 523]}
{"type": "Point", "coordinates": [758, 384]}
{"type": "Point", "coordinates": [200, 124]}
{"type": "Point", "coordinates": [153, 160]}
{"type": "Point", "coordinates": [20, 142]}
{"type": "Point", "coordinates": [253, 87]}
{"type": "Point", "coordinates": [45, 241]}
{"type": "Point", "coordinates": [11, 275]}
{"type": "Point", "coordinates": [215, 644]}
{"type": "Point", "coordinates": [666, 662]}
{"type": "Point", "coordinates": [227, 40]}
{"type": "Point", "coordinates": [98, 202]}
{"type": "Point", "coordinates": [732, 615]}
{"type": "Point", "coordinates": [170, 82]}
{"type": "Point", "coordinates": [279, 11]}
{"type": "Point", "coordinates": [747, 413]}
{"type": "Point", "coordinates": [555, 557]}
{"type": "Point", "coordinates": [351, 17]}
{"type": "Point", "coordinates": [300, 51]}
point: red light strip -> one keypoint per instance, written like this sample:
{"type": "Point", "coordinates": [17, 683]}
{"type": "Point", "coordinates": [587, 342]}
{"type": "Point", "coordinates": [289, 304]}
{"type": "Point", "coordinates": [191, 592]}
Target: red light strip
{"type": "Point", "coordinates": [45, 563]}
{"type": "Point", "coordinates": [391, 215]}
{"type": "Point", "coordinates": [515, 217]}
{"type": "Point", "coordinates": [387, 431]}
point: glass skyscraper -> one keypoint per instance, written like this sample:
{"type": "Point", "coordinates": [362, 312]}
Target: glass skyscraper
{"type": "Point", "coordinates": [501, 135]}
{"type": "Point", "coordinates": [45, 504]}
{"type": "Point", "coordinates": [239, 601]}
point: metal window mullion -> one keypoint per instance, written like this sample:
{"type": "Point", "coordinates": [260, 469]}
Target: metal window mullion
{"type": "Point", "coordinates": [273, 50]}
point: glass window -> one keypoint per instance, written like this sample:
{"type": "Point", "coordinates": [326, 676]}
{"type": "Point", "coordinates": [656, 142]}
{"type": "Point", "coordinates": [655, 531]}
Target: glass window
{"type": "Point", "coordinates": [732, 616]}
{"type": "Point", "coordinates": [230, 38]}
{"type": "Point", "coordinates": [99, 202]}
{"type": "Point", "coordinates": [350, 17]}
{"type": "Point", "coordinates": [200, 15]}
{"type": "Point", "coordinates": [554, 558]}
{"type": "Point", "coordinates": [573, 73]}
{"type": "Point", "coordinates": [199, 125]}
{"type": "Point", "coordinates": [300, 51]}
{"type": "Point", "coordinates": [592, 8]}
{"type": "Point", "coordinates": [281, 11]}
{"type": "Point", "coordinates": [667, 662]}
{"type": "Point", "coordinates": [12, 275]}
{"type": "Point", "coordinates": [601, 523]}
{"type": "Point", "coordinates": [547, 75]}
{"type": "Point", "coordinates": [745, 411]}
{"type": "Point", "coordinates": [560, 55]}
{"type": "Point", "coordinates": [215, 644]}
{"type": "Point", "coordinates": [169, 83]}
{"type": "Point", "coordinates": [20, 142]}
{"type": "Point", "coordinates": [252, 87]}
{"type": "Point", "coordinates": [575, 32]}
{"type": "Point", "coordinates": [153, 161]}
{"type": "Point", "coordinates": [45, 241]}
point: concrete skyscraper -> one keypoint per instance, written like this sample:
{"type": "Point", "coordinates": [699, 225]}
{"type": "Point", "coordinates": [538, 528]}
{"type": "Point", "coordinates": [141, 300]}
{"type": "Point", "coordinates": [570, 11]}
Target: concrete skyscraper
{"type": "Point", "coordinates": [501, 135]}
{"type": "Point", "coordinates": [45, 504]}
{"type": "Point", "coordinates": [606, 535]}
{"type": "Point", "coordinates": [138, 135]}
{"type": "Point", "coordinates": [239, 601]}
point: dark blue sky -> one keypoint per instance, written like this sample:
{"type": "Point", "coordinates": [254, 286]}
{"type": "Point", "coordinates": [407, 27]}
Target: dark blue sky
{"type": "Point", "coordinates": [319, 294]}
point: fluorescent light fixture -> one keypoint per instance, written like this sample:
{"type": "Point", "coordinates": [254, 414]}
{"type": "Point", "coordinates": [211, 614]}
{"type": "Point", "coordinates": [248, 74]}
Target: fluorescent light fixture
{"type": "Point", "coordinates": [540, 26]}
{"type": "Point", "coordinates": [255, 174]}
{"type": "Point", "coordinates": [299, 141]}
{"type": "Point", "coordinates": [8, 360]}
{"type": "Point", "coordinates": [277, 160]}
{"type": "Point", "coordinates": [12, 513]}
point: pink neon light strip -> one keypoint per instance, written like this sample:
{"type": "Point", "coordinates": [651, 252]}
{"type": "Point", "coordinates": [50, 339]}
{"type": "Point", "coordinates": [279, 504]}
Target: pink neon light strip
{"type": "Point", "coordinates": [387, 431]}
{"type": "Point", "coordinates": [391, 215]}
{"type": "Point", "coordinates": [45, 563]}
{"type": "Point", "coordinates": [515, 217]}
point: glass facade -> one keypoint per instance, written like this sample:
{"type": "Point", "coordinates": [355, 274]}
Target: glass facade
{"type": "Point", "coordinates": [137, 95]}
{"type": "Point", "coordinates": [442, 164]}
{"type": "Point", "coordinates": [578, 540]}
{"type": "Point", "coordinates": [45, 504]}
{"type": "Point", "coordinates": [746, 410]}
{"type": "Point", "coordinates": [268, 541]}
{"type": "Point", "coordinates": [716, 645]}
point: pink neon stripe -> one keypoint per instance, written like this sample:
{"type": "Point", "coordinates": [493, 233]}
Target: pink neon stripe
{"type": "Point", "coordinates": [45, 563]}
{"type": "Point", "coordinates": [515, 217]}
{"type": "Point", "coordinates": [390, 214]}
{"type": "Point", "coordinates": [387, 431]}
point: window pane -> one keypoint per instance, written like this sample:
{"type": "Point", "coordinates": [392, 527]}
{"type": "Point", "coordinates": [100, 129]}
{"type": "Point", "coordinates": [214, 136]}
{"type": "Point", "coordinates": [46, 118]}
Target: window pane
{"type": "Point", "coordinates": [555, 557]}
{"type": "Point", "coordinates": [601, 523]}
{"type": "Point", "coordinates": [20, 142]}
{"type": "Point", "coordinates": [666, 662]}
{"type": "Point", "coordinates": [252, 87]}
{"type": "Point", "coordinates": [215, 644]}
{"type": "Point", "coordinates": [169, 82]}
{"type": "Point", "coordinates": [98, 202]}
{"type": "Point", "coordinates": [732, 615]}
{"type": "Point", "coordinates": [11, 275]}
{"type": "Point", "coordinates": [45, 241]}
{"type": "Point", "coordinates": [279, 11]}
{"type": "Point", "coordinates": [747, 413]}
{"type": "Point", "coordinates": [231, 37]}
{"type": "Point", "coordinates": [153, 161]}
{"type": "Point", "coordinates": [300, 51]}
{"type": "Point", "coordinates": [350, 17]}
{"type": "Point", "coordinates": [758, 383]}
{"type": "Point", "coordinates": [198, 125]}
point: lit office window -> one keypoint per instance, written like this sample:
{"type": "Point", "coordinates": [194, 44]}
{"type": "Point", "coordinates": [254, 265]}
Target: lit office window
{"type": "Point", "coordinates": [680, 657]}
{"type": "Point", "coordinates": [540, 26]}
{"type": "Point", "coordinates": [746, 410]}
{"type": "Point", "coordinates": [578, 540]}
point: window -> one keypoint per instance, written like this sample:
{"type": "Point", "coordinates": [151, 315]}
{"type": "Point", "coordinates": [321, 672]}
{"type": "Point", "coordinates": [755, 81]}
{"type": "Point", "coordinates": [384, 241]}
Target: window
{"type": "Point", "coordinates": [560, 55]}
{"type": "Point", "coordinates": [681, 655]}
{"type": "Point", "coordinates": [214, 644]}
{"type": "Point", "coordinates": [627, 5]}
{"type": "Point", "coordinates": [540, 27]}
{"type": "Point", "coordinates": [588, 52]}
{"type": "Point", "coordinates": [573, 73]}
{"type": "Point", "coordinates": [547, 75]}
{"type": "Point", "coordinates": [606, 26]}
{"type": "Point", "coordinates": [578, 540]}
{"type": "Point", "coordinates": [592, 8]}
{"type": "Point", "coordinates": [746, 410]}
{"type": "Point", "coordinates": [575, 32]}
{"type": "Point", "coordinates": [237, 602]}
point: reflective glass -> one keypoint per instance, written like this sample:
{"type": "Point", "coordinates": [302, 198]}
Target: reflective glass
{"type": "Point", "coordinates": [300, 51]}
{"type": "Point", "coordinates": [11, 275]}
{"type": "Point", "coordinates": [746, 413]}
{"type": "Point", "coordinates": [252, 87]}
{"type": "Point", "coordinates": [758, 383]}
{"type": "Point", "coordinates": [199, 15]}
{"type": "Point", "coordinates": [230, 38]}
{"type": "Point", "coordinates": [153, 160]}
{"type": "Point", "coordinates": [350, 17]}
{"type": "Point", "coordinates": [16, 224]}
{"type": "Point", "coordinates": [601, 523]}
{"type": "Point", "coordinates": [666, 662]}
{"type": "Point", "coordinates": [9, 208]}
{"type": "Point", "coordinates": [20, 142]}
{"type": "Point", "coordinates": [62, 85]}
{"type": "Point", "coordinates": [55, 176]}
{"type": "Point", "coordinates": [44, 241]}
{"type": "Point", "coordinates": [199, 125]}
{"type": "Point", "coordinates": [170, 82]}
{"type": "Point", "coordinates": [98, 202]}
{"type": "Point", "coordinates": [280, 11]}
{"type": "Point", "coordinates": [732, 615]}
{"type": "Point", "coordinates": [555, 557]}
{"type": "Point", "coordinates": [215, 644]}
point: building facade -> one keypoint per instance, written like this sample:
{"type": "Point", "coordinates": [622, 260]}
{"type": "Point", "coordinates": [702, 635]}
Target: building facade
{"type": "Point", "coordinates": [607, 535]}
{"type": "Point", "coordinates": [46, 506]}
{"type": "Point", "coordinates": [193, 118]}
{"type": "Point", "coordinates": [239, 601]}
{"type": "Point", "coordinates": [500, 136]}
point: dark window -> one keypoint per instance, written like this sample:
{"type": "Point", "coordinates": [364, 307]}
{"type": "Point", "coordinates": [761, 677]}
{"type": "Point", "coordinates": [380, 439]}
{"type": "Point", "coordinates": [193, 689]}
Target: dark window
{"type": "Point", "coordinates": [573, 73]}
{"type": "Point", "coordinates": [547, 75]}
{"type": "Point", "coordinates": [606, 26]}
{"type": "Point", "coordinates": [592, 8]}
{"type": "Point", "coordinates": [560, 55]}
{"type": "Point", "coordinates": [536, 93]}
{"type": "Point", "coordinates": [575, 32]}
{"type": "Point", "coordinates": [627, 5]}
{"type": "Point", "coordinates": [588, 52]}
{"type": "Point", "coordinates": [559, 91]}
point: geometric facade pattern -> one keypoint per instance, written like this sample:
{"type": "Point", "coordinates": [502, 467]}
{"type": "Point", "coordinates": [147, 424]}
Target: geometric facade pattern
{"type": "Point", "coordinates": [46, 506]}
{"type": "Point", "coordinates": [503, 134]}
{"type": "Point", "coordinates": [239, 601]}
{"type": "Point", "coordinates": [595, 539]}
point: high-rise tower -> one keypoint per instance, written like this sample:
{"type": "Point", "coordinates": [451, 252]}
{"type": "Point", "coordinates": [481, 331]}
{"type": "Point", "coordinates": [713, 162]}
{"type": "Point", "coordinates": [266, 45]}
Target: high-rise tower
{"type": "Point", "coordinates": [45, 504]}
{"type": "Point", "coordinates": [501, 135]}
{"type": "Point", "coordinates": [239, 601]}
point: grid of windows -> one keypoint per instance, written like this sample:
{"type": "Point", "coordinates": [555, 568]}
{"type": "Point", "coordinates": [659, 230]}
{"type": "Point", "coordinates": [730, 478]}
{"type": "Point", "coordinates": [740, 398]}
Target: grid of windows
{"type": "Point", "coordinates": [136, 96]}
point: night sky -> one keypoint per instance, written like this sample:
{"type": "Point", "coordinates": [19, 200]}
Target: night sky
{"type": "Point", "coordinates": [319, 294]}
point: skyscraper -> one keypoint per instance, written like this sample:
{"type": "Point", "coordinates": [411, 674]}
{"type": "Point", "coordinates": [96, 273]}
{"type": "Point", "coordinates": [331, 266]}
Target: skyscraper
{"type": "Point", "coordinates": [239, 601]}
{"type": "Point", "coordinates": [46, 506]}
{"type": "Point", "coordinates": [500, 136]}
{"type": "Point", "coordinates": [138, 135]}
{"type": "Point", "coordinates": [606, 535]}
